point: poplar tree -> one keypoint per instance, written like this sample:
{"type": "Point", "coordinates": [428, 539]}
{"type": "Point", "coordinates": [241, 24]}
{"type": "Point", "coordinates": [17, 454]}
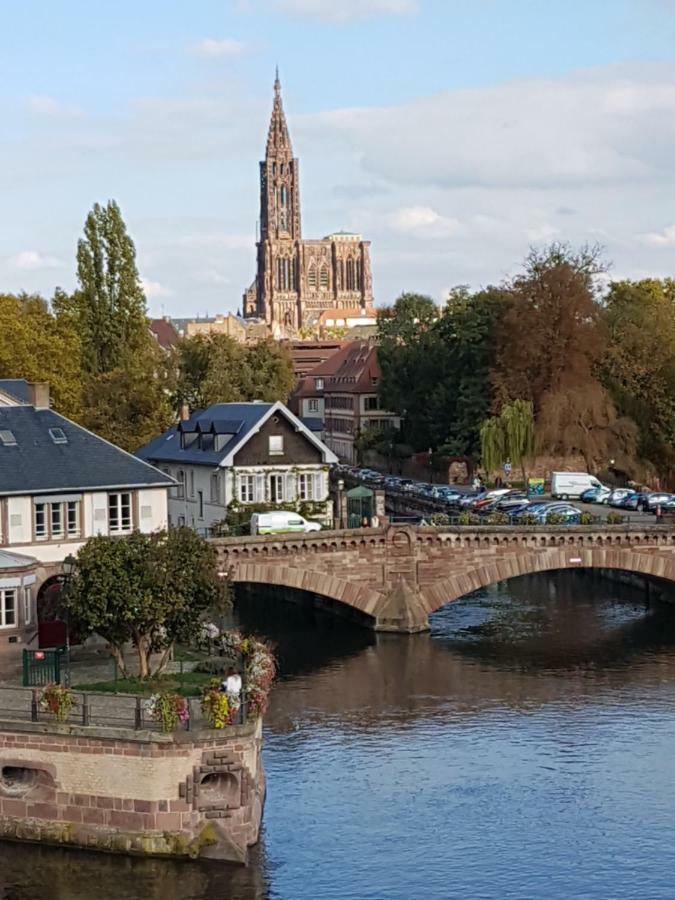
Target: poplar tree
{"type": "Point", "coordinates": [109, 306]}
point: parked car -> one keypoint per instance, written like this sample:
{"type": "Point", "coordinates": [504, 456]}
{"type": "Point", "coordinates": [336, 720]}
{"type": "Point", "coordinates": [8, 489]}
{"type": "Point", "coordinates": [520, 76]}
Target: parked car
{"type": "Point", "coordinates": [659, 498]}
{"type": "Point", "coordinates": [571, 514]}
{"type": "Point", "coordinates": [596, 495]}
{"type": "Point", "coordinates": [618, 495]}
{"type": "Point", "coordinates": [565, 485]}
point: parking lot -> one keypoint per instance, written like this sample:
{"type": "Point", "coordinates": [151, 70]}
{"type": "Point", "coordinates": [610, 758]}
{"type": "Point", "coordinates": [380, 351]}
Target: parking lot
{"type": "Point", "coordinates": [507, 505]}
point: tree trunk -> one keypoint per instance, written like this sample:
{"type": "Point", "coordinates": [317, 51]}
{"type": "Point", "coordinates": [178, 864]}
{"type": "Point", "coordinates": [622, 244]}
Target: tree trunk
{"type": "Point", "coordinates": [164, 659]}
{"type": "Point", "coordinates": [119, 659]}
{"type": "Point", "coordinates": [143, 648]}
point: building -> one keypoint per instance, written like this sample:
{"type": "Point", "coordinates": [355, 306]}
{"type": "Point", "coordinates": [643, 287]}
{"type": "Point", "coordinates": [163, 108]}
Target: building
{"type": "Point", "coordinates": [244, 331]}
{"type": "Point", "coordinates": [307, 355]}
{"type": "Point", "coordinates": [59, 485]}
{"type": "Point", "coordinates": [164, 332]}
{"type": "Point", "coordinates": [297, 279]}
{"type": "Point", "coordinates": [341, 320]}
{"type": "Point", "coordinates": [238, 455]}
{"type": "Point", "coordinates": [343, 391]}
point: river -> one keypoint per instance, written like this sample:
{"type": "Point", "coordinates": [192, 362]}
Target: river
{"type": "Point", "coordinates": [525, 748]}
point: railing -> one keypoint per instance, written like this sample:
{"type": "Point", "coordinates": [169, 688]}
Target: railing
{"type": "Point", "coordinates": [103, 710]}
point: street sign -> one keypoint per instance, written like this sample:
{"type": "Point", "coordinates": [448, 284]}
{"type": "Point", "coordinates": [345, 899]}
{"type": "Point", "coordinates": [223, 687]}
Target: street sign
{"type": "Point", "coordinates": [507, 468]}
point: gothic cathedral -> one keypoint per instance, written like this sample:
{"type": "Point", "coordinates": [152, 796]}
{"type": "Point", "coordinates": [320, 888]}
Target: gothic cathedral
{"type": "Point", "coordinates": [297, 279]}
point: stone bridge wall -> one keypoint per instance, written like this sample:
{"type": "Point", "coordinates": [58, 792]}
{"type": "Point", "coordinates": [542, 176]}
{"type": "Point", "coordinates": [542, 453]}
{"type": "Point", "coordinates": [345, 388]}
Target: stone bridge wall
{"type": "Point", "coordinates": [397, 576]}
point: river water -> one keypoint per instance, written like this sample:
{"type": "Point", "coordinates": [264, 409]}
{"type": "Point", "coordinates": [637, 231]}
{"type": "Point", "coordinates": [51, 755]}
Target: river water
{"type": "Point", "coordinates": [525, 748]}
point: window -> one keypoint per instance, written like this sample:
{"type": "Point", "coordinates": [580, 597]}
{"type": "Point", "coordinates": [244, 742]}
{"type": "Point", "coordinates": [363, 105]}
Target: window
{"type": "Point", "coordinates": [215, 488]}
{"type": "Point", "coordinates": [7, 438]}
{"type": "Point", "coordinates": [192, 482]}
{"type": "Point", "coordinates": [180, 487]}
{"type": "Point", "coordinates": [54, 521]}
{"type": "Point", "coordinates": [318, 384]}
{"type": "Point", "coordinates": [370, 403]}
{"type": "Point", "coordinates": [323, 278]}
{"type": "Point", "coordinates": [306, 486]}
{"type": "Point", "coordinates": [181, 521]}
{"type": "Point", "coordinates": [7, 607]}
{"type": "Point", "coordinates": [276, 489]}
{"type": "Point", "coordinates": [200, 504]}
{"type": "Point", "coordinates": [311, 276]}
{"type": "Point", "coordinates": [119, 513]}
{"type": "Point", "coordinates": [276, 445]}
{"type": "Point", "coordinates": [58, 435]}
{"type": "Point", "coordinates": [313, 406]}
{"type": "Point", "coordinates": [27, 606]}
{"type": "Point", "coordinates": [247, 488]}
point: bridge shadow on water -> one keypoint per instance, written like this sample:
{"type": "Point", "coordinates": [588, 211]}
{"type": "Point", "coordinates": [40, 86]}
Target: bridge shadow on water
{"type": "Point", "coordinates": [559, 620]}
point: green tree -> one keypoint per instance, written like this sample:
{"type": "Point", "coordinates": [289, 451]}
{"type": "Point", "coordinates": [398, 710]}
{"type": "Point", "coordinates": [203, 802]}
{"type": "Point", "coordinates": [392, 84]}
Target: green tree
{"type": "Point", "coordinates": [151, 590]}
{"type": "Point", "coordinates": [638, 365]}
{"type": "Point", "coordinates": [508, 437]}
{"type": "Point", "coordinates": [216, 369]}
{"type": "Point", "coordinates": [109, 307]}
{"type": "Point", "coordinates": [37, 346]}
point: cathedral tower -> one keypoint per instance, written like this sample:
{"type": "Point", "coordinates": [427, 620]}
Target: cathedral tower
{"type": "Point", "coordinates": [298, 279]}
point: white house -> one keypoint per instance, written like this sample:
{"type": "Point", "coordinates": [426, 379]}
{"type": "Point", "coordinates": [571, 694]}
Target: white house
{"type": "Point", "coordinates": [241, 454]}
{"type": "Point", "coordinates": [59, 485]}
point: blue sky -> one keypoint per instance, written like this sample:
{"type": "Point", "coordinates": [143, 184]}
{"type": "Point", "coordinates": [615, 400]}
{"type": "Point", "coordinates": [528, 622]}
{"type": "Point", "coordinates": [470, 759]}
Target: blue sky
{"type": "Point", "coordinates": [453, 134]}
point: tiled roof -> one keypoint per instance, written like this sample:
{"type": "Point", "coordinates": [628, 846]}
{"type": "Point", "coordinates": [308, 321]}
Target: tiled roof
{"type": "Point", "coordinates": [78, 460]}
{"type": "Point", "coordinates": [352, 370]}
{"type": "Point", "coordinates": [164, 332]}
{"type": "Point", "coordinates": [17, 388]}
{"type": "Point", "coordinates": [239, 420]}
{"type": "Point", "coordinates": [356, 312]}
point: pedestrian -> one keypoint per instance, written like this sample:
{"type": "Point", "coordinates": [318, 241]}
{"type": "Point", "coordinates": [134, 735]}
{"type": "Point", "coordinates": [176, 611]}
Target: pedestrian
{"type": "Point", "coordinates": [232, 687]}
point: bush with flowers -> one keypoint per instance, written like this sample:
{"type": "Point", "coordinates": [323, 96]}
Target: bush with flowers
{"type": "Point", "coordinates": [216, 706]}
{"type": "Point", "coordinates": [58, 700]}
{"type": "Point", "coordinates": [170, 710]}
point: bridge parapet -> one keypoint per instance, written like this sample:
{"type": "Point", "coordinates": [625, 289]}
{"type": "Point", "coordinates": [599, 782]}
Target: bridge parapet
{"type": "Point", "coordinates": [396, 576]}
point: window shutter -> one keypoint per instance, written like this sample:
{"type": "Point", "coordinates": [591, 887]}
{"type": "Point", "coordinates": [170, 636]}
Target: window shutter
{"type": "Point", "coordinates": [237, 487]}
{"type": "Point", "coordinates": [289, 487]}
{"type": "Point", "coordinates": [318, 486]}
{"type": "Point", "coordinates": [260, 488]}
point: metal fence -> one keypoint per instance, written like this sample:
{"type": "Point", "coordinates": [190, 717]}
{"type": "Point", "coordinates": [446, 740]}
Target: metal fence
{"type": "Point", "coordinates": [101, 710]}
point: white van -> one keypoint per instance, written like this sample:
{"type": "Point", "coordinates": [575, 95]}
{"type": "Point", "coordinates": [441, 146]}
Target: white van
{"type": "Point", "coordinates": [281, 521]}
{"type": "Point", "coordinates": [565, 485]}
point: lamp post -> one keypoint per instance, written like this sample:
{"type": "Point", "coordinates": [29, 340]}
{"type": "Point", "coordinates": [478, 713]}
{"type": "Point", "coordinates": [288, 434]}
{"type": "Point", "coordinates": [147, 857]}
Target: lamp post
{"type": "Point", "coordinates": [340, 488]}
{"type": "Point", "coordinates": [69, 566]}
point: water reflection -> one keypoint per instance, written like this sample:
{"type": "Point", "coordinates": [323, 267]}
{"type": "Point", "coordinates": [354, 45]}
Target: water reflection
{"type": "Point", "coordinates": [522, 749]}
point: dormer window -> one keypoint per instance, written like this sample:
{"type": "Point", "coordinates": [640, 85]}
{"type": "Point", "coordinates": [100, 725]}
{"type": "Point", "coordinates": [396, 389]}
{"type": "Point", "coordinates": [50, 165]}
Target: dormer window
{"type": "Point", "coordinates": [7, 438]}
{"type": "Point", "coordinates": [318, 384]}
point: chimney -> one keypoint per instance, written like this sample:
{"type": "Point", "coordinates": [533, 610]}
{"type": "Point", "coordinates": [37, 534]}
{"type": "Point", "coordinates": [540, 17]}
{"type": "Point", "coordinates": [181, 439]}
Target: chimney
{"type": "Point", "coordinates": [184, 412]}
{"type": "Point", "coordinates": [39, 394]}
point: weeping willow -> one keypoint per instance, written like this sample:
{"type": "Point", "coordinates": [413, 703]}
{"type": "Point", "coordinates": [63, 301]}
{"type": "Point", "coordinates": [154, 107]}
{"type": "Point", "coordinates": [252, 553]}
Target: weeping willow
{"type": "Point", "coordinates": [508, 437]}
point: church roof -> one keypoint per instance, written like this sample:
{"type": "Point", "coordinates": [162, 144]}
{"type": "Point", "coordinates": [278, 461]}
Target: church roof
{"type": "Point", "coordinates": [278, 137]}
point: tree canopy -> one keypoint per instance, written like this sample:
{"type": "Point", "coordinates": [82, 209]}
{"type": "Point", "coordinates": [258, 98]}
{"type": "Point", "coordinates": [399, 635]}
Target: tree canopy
{"type": "Point", "coordinates": [149, 589]}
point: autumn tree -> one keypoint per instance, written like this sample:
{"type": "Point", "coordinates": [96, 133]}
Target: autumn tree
{"type": "Point", "coordinates": [147, 589]}
{"type": "Point", "coordinates": [37, 346]}
{"type": "Point", "coordinates": [638, 364]}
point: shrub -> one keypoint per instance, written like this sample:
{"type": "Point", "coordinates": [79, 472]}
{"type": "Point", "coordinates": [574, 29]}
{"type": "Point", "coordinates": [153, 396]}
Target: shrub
{"type": "Point", "coordinates": [58, 700]}
{"type": "Point", "coordinates": [216, 707]}
{"type": "Point", "coordinates": [169, 710]}
{"type": "Point", "coordinates": [615, 519]}
{"type": "Point", "coordinates": [439, 519]}
{"type": "Point", "coordinates": [555, 519]}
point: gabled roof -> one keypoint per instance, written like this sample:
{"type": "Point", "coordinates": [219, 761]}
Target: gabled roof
{"type": "Point", "coordinates": [248, 418]}
{"type": "Point", "coordinates": [164, 333]}
{"type": "Point", "coordinates": [352, 370]}
{"type": "Point", "coordinates": [39, 462]}
{"type": "Point", "coordinates": [16, 388]}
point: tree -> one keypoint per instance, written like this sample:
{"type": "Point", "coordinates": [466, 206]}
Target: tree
{"type": "Point", "coordinates": [214, 368]}
{"type": "Point", "coordinates": [508, 437]}
{"type": "Point", "coordinates": [37, 346]}
{"type": "Point", "coordinates": [109, 308]}
{"type": "Point", "coordinates": [638, 364]}
{"type": "Point", "coordinates": [151, 590]}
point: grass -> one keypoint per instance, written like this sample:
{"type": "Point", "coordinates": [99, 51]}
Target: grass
{"type": "Point", "coordinates": [189, 684]}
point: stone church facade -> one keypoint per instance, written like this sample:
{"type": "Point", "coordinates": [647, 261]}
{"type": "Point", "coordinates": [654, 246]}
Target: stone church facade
{"type": "Point", "coordinates": [296, 279]}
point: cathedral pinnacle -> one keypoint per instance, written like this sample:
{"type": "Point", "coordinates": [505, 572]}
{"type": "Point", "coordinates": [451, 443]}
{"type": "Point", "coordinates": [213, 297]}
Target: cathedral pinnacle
{"type": "Point", "coordinates": [278, 137]}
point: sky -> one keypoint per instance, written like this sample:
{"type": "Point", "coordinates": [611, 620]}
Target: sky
{"type": "Point", "coordinates": [452, 134]}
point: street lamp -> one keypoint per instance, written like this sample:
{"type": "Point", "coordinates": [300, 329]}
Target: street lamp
{"type": "Point", "coordinates": [340, 488]}
{"type": "Point", "coordinates": [69, 566]}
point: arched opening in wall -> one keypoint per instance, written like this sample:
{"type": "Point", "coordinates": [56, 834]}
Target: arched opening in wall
{"type": "Point", "coordinates": [311, 276]}
{"type": "Point", "coordinates": [269, 599]}
{"type": "Point", "coordinates": [221, 788]}
{"type": "Point", "coordinates": [350, 275]}
{"type": "Point", "coordinates": [19, 781]}
{"type": "Point", "coordinates": [323, 278]}
{"type": "Point", "coordinates": [586, 618]}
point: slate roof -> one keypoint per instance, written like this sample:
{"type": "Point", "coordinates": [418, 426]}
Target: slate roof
{"type": "Point", "coordinates": [240, 420]}
{"type": "Point", "coordinates": [16, 560]}
{"type": "Point", "coordinates": [18, 388]}
{"type": "Point", "coordinates": [38, 465]}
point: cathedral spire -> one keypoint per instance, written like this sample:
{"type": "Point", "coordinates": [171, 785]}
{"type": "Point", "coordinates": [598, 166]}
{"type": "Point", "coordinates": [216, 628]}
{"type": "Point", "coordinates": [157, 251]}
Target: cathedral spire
{"type": "Point", "coordinates": [277, 136]}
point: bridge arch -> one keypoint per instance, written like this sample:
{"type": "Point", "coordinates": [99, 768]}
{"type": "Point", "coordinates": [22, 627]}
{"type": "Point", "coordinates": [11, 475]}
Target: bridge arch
{"type": "Point", "coordinates": [482, 574]}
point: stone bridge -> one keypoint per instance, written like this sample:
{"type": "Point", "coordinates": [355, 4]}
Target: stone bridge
{"type": "Point", "coordinates": [393, 578]}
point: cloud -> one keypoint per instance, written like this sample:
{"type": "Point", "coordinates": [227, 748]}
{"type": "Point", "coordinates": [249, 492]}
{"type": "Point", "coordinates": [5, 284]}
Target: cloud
{"type": "Point", "coordinates": [154, 289]}
{"type": "Point", "coordinates": [339, 12]}
{"type": "Point", "coordinates": [33, 260]}
{"type": "Point", "coordinates": [592, 127]}
{"type": "Point", "coordinates": [44, 105]}
{"type": "Point", "coordinates": [665, 238]}
{"type": "Point", "coordinates": [219, 48]}
{"type": "Point", "coordinates": [423, 221]}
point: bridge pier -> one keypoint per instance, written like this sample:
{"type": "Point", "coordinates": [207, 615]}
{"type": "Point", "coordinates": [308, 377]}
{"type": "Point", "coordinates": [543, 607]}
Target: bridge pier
{"type": "Point", "coordinates": [402, 611]}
